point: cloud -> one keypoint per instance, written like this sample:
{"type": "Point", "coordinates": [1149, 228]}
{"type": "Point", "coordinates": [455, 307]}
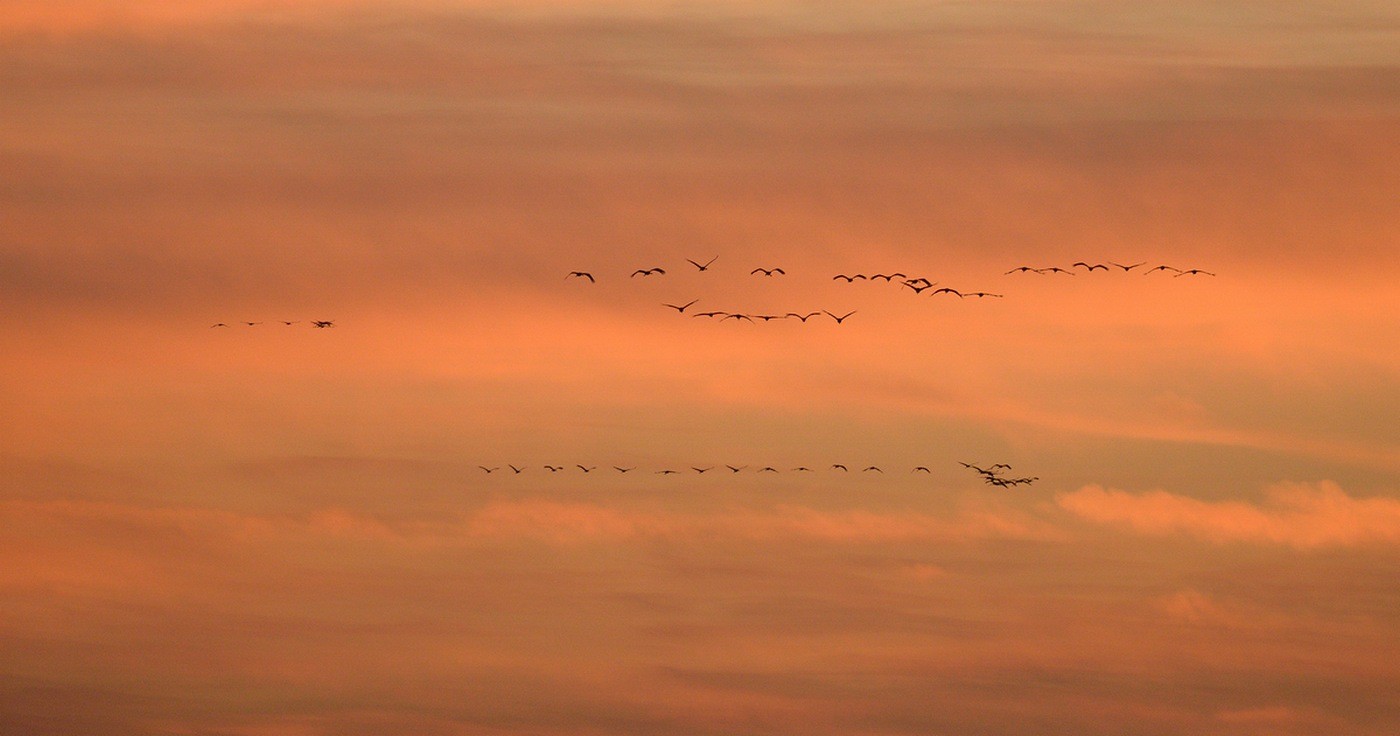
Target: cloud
{"type": "Point", "coordinates": [1304, 516]}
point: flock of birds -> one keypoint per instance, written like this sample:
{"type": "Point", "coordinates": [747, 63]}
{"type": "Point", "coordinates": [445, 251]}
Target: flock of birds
{"type": "Point", "coordinates": [992, 475]}
{"type": "Point", "coordinates": [916, 284]}
{"type": "Point", "coordinates": [317, 323]}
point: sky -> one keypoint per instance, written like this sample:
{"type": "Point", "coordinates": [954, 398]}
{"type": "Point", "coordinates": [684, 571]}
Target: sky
{"type": "Point", "coordinates": [278, 530]}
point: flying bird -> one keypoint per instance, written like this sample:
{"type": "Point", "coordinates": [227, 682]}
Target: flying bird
{"type": "Point", "coordinates": [840, 319]}
{"type": "Point", "coordinates": [1127, 268]}
{"type": "Point", "coordinates": [802, 468]}
{"type": "Point", "coordinates": [1161, 268]}
{"type": "Point", "coordinates": [667, 471]}
{"type": "Point", "coordinates": [870, 468]}
{"type": "Point", "coordinates": [512, 467]}
{"type": "Point", "coordinates": [980, 294]}
{"type": "Point", "coordinates": [918, 288]}
{"type": "Point", "coordinates": [768, 271]}
{"type": "Point", "coordinates": [921, 468]}
{"type": "Point", "coordinates": [682, 307]}
{"type": "Point", "coordinates": [767, 317]}
{"type": "Point", "coordinates": [1091, 268]}
{"type": "Point", "coordinates": [648, 271]}
{"type": "Point", "coordinates": [586, 470]}
{"type": "Point", "coordinates": [767, 469]}
{"type": "Point", "coordinates": [946, 290]}
{"type": "Point", "coordinates": [708, 314]}
{"type": "Point", "coordinates": [803, 317]}
{"type": "Point", "coordinates": [1056, 269]}
{"type": "Point", "coordinates": [250, 324]}
{"type": "Point", "coordinates": [289, 324]}
{"type": "Point", "coordinates": [622, 470]}
{"type": "Point", "coordinates": [322, 324]}
{"type": "Point", "coordinates": [736, 316]}
{"type": "Point", "coordinates": [705, 267]}
{"type": "Point", "coordinates": [839, 466]}
{"type": "Point", "coordinates": [1192, 272]}
{"type": "Point", "coordinates": [217, 324]}
{"type": "Point", "coordinates": [919, 280]}
{"type": "Point", "coordinates": [848, 279]}
{"type": "Point", "coordinates": [701, 470]}
{"type": "Point", "coordinates": [488, 470]}
{"type": "Point", "coordinates": [581, 275]}
{"type": "Point", "coordinates": [554, 468]}
{"type": "Point", "coordinates": [734, 469]}
{"type": "Point", "coordinates": [1022, 269]}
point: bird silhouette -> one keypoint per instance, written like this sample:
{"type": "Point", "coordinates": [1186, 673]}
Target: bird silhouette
{"type": "Point", "coordinates": [886, 277]}
{"type": "Point", "coordinates": [767, 469]}
{"type": "Point", "coordinates": [701, 470]}
{"type": "Point", "coordinates": [803, 317]}
{"type": "Point", "coordinates": [581, 275]}
{"type": "Point", "coordinates": [870, 468]}
{"type": "Point", "coordinates": [682, 307]}
{"type": "Point", "coordinates": [839, 466]}
{"type": "Point", "coordinates": [217, 324]}
{"type": "Point", "coordinates": [840, 319]}
{"type": "Point", "coordinates": [250, 324]}
{"type": "Point", "coordinates": [919, 468]}
{"type": "Point", "coordinates": [667, 471]}
{"type": "Point", "coordinates": [488, 470]}
{"type": "Point", "coordinates": [585, 469]}
{"type": "Point", "coordinates": [802, 469]}
{"type": "Point", "coordinates": [736, 316]}
{"type": "Point", "coordinates": [708, 314]}
{"type": "Point", "coordinates": [768, 271]}
{"type": "Point", "coordinates": [704, 267]}
{"type": "Point", "coordinates": [554, 468]}
{"type": "Point", "coordinates": [848, 279]}
{"type": "Point", "coordinates": [1127, 268]}
{"type": "Point", "coordinates": [649, 271]}
{"type": "Point", "coordinates": [767, 317]}
{"type": "Point", "coordinates": [734, 469]}
{"type": "Point", "coordinates": [1056, 269]}
{"type": "Point", "coordinates": [946, 290]}
{"type": "Point", "coordinates": [1193, 271]}
{"type": "Point", "coordinates": [517, 470]}
{"type": "Point", "coordinates": [919, 280]}
{"type": "Point", "coordinates": [1161, 268]}
{"type": "Point", "coordinates": [1021, 269]}
{"type": "Point", "coordinates": [622, 470]}
{"type": "Point", "coordinates": [322, 324]}
{"type": "Point", "coordinates": [980, 294]}
{"type": "Point", "coordinates": [918, 288]}
{"type": "Point", "coordinates": [1085, 265]}
{"type": "Point", "coordinates": [289, 323]}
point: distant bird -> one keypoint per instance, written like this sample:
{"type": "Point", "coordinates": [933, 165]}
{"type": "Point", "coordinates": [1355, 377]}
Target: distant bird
{"type": "Point", "coordinates": [705, 267]}
{"type": "Point", "coordinates": [919, 468]}
{"type": "Point", "coordinates": [767, 469]}
{"type": "Point", "coordinates": [946, 290]}
{"type": "Point", "coordinates": [488, 470]}
{"type": "Point", "coordinates": [667, 471]}
{"type": "Point", "coordinates": [886, 277]}
{"type": "Point", "coordinates": [768, 271]}
{"type": "Point", "coordinates": [289, 324]}
{"type": "Point", "coordinates": [734, 469]}
{"type": "Point", "coordinates": [1056, 269]}
{"type": "Point", "coordinates": [802, 468]}
{"type": "Point", "coordinates": [839, 466]}
{"type": "Point", "coordinates": [767, 317]}
{"type": "Point", "coordinates": [554, 468]}
{"type": "Point", "coordinates": [1161, 268]}
{"type": "Point", "coordinates": [322, 324]}
{"type": "Point", "coordinates": [1127, 268]}
{"type": "Point", "coordinates": [980, 294]}
{"type": "Point", "coordinates": [682, 307]}
{"type": "Point", "coordinates": [919, 280]}
{"type": "Point", "coordinates": [648, 271]}
{"type": "Point", "coordinates": [250, 324]}
{"type": "Point", "coordinates": [581, 275]}
{"type": "Point", "coordinates": [701, 470]}
{"type": "Point", "coordinates": [870, 468]}
{"type": "Point", "coordinates": [840, 319]}
{"type": "Point", "coordinates": [517, 470]}
{"type": "Point", "coordinates": [736, 316]}
{"type": "Point", "coordinates": [999, 465]}
{"type": "Point", "coordinates": [622, 470]}
{"type": "Point", "coordinates": [918, 288]}
{"type": "Point", "coordinates": [586, 470]}
{"type": "Point", "coordinates": [708, 314]}
{"type": "Point", "coordinates": [1091, 268]}
{"type": "Point", "coordinates": [848, 279]}
{"type": "Point", "coordinates": [1022, 269]}
{"type": "Point", "coordinates": [803, 317]}
{"type": "Point", "coordinates": [1192, 272]}
{"type": "Point", "coordinates": [217, 324]}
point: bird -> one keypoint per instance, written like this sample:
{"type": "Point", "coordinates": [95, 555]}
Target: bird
{"type": "Point", "coordinates": [767, 317]}
{"type": "Point", "coordinates": [682, 307]}
{"type": "Point", "coordinates": [217, 324]}
{"type": "Point", "coordinates": [1161, 268]}
{"type": "Point", "coordinates": [848, 279]}
{"type": "Point", "coordinates": [886, 277]}
{"type": "Point", "coordinates": [585, 469]}
{"type": "Point", "coordinates": [1127, 268]}
{"type": "Point", "coordinates": [289, 323]}
{"type": "Point", "coordinates": [802, 468]}
{"type": "Point", "coordinates": [701, 470]}
{"type": "Point", "coordinates": [1091, 268]}
{"type": "Point", "coordinates": [919, 468]}
{"type": "Point", "coordinates": [734, 469]}
{"type": "Point", "coordinates": [554, 468]}
{"type": "Point", "coordinates": [622, 470]}
{"type": "Point", "coordinates": [918, 288]}
{"type": "Point", "coordinates": [708, 314]}
{"type": "Point", "coordinates": [839, 466]}
{"type": "Point", "coordinates": [488, 470]}
{"type": "Point", "coordinates": [512, 467]}
{"type": "Point", "coordinates": [870, 468]}
{"type": "Point", "coordinates": [250, 324]}
{"type": "Point", "coordinates": [999, 465]}
{"type": "Point", "coordinates": [767, 469]}
{"type": "Point", "coordinates": [1192, 272]}
{"type": "Point", "coordinates": [704, 267]}
{"type": "Point", "coordinates": [946, 290]}
{"type": "Point", "coordinates": [840, 319]}
{"type": "Point", "coordinates": [919, 280]}
{"type": "Point", "coordinates": [736, 316]}
{"type": "Point", "coordinates": [1056, 269]}
{"type": "Point", "coordinates": [803, 317]}
{"type": "Point", "coordinates": [980, 294]}
{"type": "Point", "coordinates": [322, 324]}
{"type": "Point", "coordinates": [667, 471]}
{"type": "Point", "coordinates": [581, 275]}
{"type": "Point", "coordinates": [649, 271]}
{"type": "Point", "coordinates": [768, 271]}
{"type": "Point", "coordinates": [1022, 269]}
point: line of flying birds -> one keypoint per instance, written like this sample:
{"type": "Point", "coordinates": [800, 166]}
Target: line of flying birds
{"type": "Point", "coordinates": [992, 474]}
{"type": "Point", "coordinates": [1092, 267]}
{"type": "Point", "coordinates": [317, 323]}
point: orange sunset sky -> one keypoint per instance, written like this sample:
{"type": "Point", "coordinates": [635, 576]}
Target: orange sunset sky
{"type": "Point", "coordinates": [284, 531]}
